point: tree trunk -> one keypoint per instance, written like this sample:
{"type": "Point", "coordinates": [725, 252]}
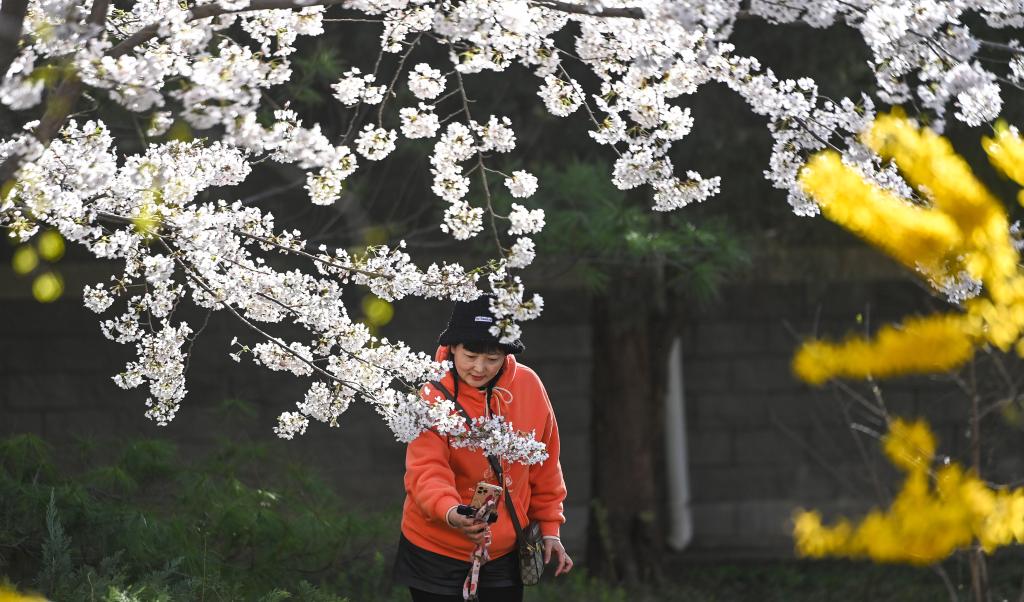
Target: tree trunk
{"type": "Point", "coordinates": [632, 334]}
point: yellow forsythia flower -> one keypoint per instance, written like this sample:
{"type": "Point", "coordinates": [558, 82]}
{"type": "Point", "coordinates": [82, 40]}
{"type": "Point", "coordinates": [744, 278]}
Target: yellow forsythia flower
{"type": "Point", "coordinates": [1006, 152]}
{"type": "Point", "coordinates": [928, 161]}
{"type": "Point", "coordinates": [930, 517]}
{"type": "Point", "coordinates": [930, 344]}
{"type": "Point", "coordinates": [815, 541]}
{"type": "Point", "coordinates": [965, 230]}
{"type": "Point", "coordinates": [11, 595]}
{"type": "Point", "coordinates": [909, 445]}
{"type": "Point", "coordinates": [914, 235]}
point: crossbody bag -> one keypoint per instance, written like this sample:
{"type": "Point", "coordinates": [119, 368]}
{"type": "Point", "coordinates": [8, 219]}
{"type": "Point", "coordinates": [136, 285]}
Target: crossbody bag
{"type": "Point", "coordinates": [529, 543]}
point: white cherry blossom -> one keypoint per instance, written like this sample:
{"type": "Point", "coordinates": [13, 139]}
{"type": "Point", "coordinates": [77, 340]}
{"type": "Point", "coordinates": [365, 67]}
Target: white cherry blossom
{"type": "Point", "coordinates": [560, 97]}
{"type": "Point", "coordinates": [463, 221]}
{"type": "Point", "coordinates": [522, 184]}
{"type": "Point", "coordinates": [421, 123]}
{"type": "Point", "coordinates": [426, 82]}
{"type": "Point", "coordinates": [522, 253]}
{"type": "Point", "coordinates": [375, 143]}
{"type": "Point", "coordinates": [525, 221]}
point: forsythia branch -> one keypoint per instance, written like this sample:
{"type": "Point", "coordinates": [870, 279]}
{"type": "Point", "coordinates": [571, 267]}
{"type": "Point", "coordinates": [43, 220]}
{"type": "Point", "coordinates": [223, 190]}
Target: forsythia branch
{"type": "Point", "coordinates": [962, 238]}
{"type": "Point", "coordinates": [934, 514]}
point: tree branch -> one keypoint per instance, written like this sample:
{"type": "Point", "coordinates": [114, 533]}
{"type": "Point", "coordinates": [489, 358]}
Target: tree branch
{"type": "Point", "coordinates": [200, 283]}
{"type": "Point", "coordinates": [480, 164]}
{"type": "Point", "coordinates": [60, 103]}
{"type": "Point", "coordinates": [1000, 46]}
{"type": "Point", "coordinates": [213, 10]}
{"type": "Point", "coordinates": [626, 12]}
{"type": "Point", "coordinates": [124, 220]}
{"type": "Point", "coordinates": [65, 97]}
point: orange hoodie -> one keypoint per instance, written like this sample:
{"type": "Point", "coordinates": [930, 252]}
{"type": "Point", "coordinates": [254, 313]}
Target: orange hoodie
{"type": "Point", "coordinates": [438, 476]}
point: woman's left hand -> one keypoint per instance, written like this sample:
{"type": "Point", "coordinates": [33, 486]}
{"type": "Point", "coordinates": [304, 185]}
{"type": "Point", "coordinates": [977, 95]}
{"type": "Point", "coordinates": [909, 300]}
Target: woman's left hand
{"type": "Point", "coordinates": [553, 547]}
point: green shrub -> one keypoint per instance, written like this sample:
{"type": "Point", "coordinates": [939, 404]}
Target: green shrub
{"type": "Point", "coordinates": [141, 524]}
{"type": "Point", "coordinates": [240, 524]}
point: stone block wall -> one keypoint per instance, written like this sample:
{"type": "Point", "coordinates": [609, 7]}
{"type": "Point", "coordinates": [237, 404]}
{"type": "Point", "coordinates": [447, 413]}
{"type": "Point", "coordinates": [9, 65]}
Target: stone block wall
{"type": "Point", "coordinates": [761, 444]}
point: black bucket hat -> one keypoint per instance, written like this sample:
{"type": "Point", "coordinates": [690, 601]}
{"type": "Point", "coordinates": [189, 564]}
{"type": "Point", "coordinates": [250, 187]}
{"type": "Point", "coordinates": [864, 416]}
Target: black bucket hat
{"type": "Point", "coordinates": [471, 322]}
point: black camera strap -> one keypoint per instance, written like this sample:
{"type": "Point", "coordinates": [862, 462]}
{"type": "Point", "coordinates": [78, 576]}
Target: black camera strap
{"type": "Point", "coordinates": [495, 464]}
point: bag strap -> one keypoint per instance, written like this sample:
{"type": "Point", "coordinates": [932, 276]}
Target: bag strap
{"type": "Point", "coordinates": [495, 464]}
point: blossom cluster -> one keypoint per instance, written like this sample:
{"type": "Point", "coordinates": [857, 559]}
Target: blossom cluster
{"type": "Point", "coordinates": [493, 433]}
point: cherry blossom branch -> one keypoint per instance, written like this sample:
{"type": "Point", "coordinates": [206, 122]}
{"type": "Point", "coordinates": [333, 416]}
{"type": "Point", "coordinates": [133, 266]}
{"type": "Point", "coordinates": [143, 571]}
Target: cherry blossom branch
{"type": "Point", "coordinates": [121, 219]}
{"type": "Point", "coordinates": [627, 12]}
{"type": "Point", "coordinates": [586, 102]}
{"type": "Point", "coordinates": [213, 10]}
{"type": "Point", "coordinates": [322, 260]}
{"type": "Point", "coordinates": [394, 80]}
{"type": "Point", "coordinates": [198, 281]}
{"type": "Point", "coordinates": [60, 104]}
{"type": "Point", "coordinates": [1000, 46]}
{"type": "Point", "coordinates": [483, 170]}
{"type": "Point", "coordinates": [358, 109]}
{"type": "Point", "coordinates": [291, 309]}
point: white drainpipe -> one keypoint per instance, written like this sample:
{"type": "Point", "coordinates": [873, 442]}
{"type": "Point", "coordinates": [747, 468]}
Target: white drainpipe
{"type": "Point", "coordinates": [680, 519]}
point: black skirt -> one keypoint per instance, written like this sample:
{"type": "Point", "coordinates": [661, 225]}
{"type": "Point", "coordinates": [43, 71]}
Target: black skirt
{"type": "Point", "coordinates": [439, 574]}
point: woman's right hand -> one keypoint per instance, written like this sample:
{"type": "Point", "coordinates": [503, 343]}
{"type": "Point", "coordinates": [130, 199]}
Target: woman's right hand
{"type": "Point", "coordinates": [474, 529]}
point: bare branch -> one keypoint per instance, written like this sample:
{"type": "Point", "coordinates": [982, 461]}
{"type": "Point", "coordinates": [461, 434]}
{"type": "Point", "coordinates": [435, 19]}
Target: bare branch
{"type": "Point", "coordinates": [394, 80]}
{"type": "Point", "coordinates": [941, 572]}
{"type": "Point", "coordinates": [1001, 46]}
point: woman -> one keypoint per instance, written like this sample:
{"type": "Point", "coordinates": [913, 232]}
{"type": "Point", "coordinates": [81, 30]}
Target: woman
{"type": "Point", "coordinates": [437, 542]}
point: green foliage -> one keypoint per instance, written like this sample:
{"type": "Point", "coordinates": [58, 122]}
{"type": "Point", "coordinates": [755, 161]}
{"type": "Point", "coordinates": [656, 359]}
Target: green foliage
{"type": "Point", "coordinates": [56, 551]}
{"type": "Point", "coordinates": [607, 231]}
{"type": "Point", "coordinates": [147, 461]}
{"type": "Point", "coordinates": [233, 407]}
{"type": "Point", "coordinates": [314, 71]}
{"type": "Point", "coordinates": [248, 523]}
{"type": "Point", "coordinates": [576, 586]}
{"type": "Point", "coordinates": [244, 523]}
{"type": "Point", "coordinates": [26, 457]}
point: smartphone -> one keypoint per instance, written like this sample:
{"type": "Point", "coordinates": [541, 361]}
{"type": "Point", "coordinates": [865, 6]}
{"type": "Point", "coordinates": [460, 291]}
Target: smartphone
{"type": "Point", "coordinates": [487, 492]}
